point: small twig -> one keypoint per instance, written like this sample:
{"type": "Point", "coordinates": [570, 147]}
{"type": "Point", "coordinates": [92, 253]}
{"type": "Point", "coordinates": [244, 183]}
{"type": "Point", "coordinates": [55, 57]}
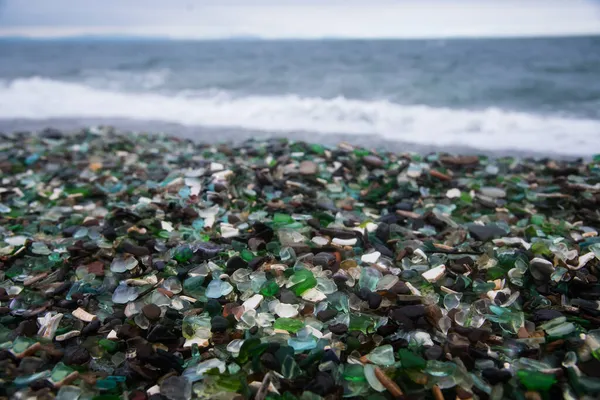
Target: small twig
{"type": "Point", "coordinates": [389, 384]}
{"type": "Point", "coordinates": [437, 392]}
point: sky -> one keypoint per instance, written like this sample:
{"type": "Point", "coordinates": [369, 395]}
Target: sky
{"type": "Point", "coordinates": [202, 19]}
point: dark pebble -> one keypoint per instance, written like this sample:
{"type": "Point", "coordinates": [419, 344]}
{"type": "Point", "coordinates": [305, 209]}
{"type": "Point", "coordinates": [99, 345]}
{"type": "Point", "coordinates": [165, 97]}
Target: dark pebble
{"type": "Point", "coordinates": [76, 355]}
{"type": "Point", "coordinates": [326, 315]}
{"type": "Point", "coordinates": [256, 262]}
{"type": "Point", "coordinates": [127, 331]}
{"type": "Point", "coordinates": [457, 344]}
{"type": "Point", "coordinates": [161, 333]}
{"type": "Point", "coordinates": [41, 384]}
{"type": "Point", "coordinates": [136, 250]}
{"type": "Point", "coordinates": [27, 328]}
{"type": "Point", "coordinates": [257, 244]}
{"type": "Point", "coordinates": [387, 329]}
{"type": "Point", "coordinates": [433, 353]}
{"type": "Point", "coordinates": [545, 315]}
{"type": "Point", "coordinates": [590, 368]}
{"type": "Point", "coordinates": [384, 250]}
{"type": "Point", "coordinates": [270, 362]}
{"type": "Point", "coordinates": [484, 233]}
{"type": "Point", "coordinates": [383, 232]}
{"type": "Point", "coordinates": [495, 375]}
{"type": "Point", "coordinates": [399, 288]}
{"type": "Point", "coordinates": [91, 328]}
{"type": "Point", "coordinates": [219, 324]}
{"type": "Point", "coordinates": [30, 365]}
{"type": "Point", "coordinates": [213, 307]}
{"type": "Point", "coordinates": [373, 161]}
{"type": "Point", "coordinates": [338, 329]}
{"type": "Point", "coordinates": [288, 297]}
{"type": "Point", "coordinates": [152, 312]}
{"type": "Point", "coordinates": [363, 294]}
{"type": "Point", "coordinates": [374, 299]}
{"type": "Point", "coordinates": [323, 384]}
{"type": "Point", "coordinates": [235, 263]}
{"type": "Point", "coordinates": [412, 312]}
{"type": "Point", "coordinates": [324, 259]}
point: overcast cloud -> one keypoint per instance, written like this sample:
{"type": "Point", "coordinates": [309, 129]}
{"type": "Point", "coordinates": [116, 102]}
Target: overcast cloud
{"type": "Point", "coordinates": [300, 18]}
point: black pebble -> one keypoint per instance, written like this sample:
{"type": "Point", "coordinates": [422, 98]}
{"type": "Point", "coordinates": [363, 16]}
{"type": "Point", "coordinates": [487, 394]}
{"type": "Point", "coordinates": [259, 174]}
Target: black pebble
{"type": "Point", "coordinates": [213, 307]}
{"type": "Point", "coordinates": [151, 311]}
{"type": "Point", "coordinates": [234, 264]}
{"type": "Point", "coordinates": [387, 329]}
{"type": "Point", "coordinates": [134, 249]}
{"type": "Point", "coordinates": [545, 315]}
{"type": "Point", "coordinates": [412, 312]}
{"type": "Point", "coordinates": [338, 329]}
{"type": "Point", "coordinates": [363, 294]}
{"type": "Point", "coordinates": [326, 315]}
{"type": "Point", "coordinates": [219, 324]}
{"type": "Point", "coordinates": [27, 328]}
{"type": "Point", "coordinates": [288, 297]}
{"type": "Point", "coordinates": [495, 375]}
{"type": "Point", "coordinates": [374, 300]}
{"type": "Point", "coordinates": [161, 333]}
{"type": "Point", "coordinates": [76, 355]}
{"type": "Point", "coordinates": [270, 362]}
{"type": "Point", "coordinates": [127, 331]}
{"type": "Point", "coordinates": [322, 384]}
{"type": "Point", "coordinates": [257, 262]}
{"type": "Point", "coordinates": [484, 233]}
{"type": "Point", "coordinates": [433, 353]}
{"type": "Point", "coordinates": [159, 265]}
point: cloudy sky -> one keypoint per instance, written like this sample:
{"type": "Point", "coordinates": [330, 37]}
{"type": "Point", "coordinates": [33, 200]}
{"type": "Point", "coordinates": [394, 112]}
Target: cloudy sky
{"type": "Point", "coordinates": [300, 18]}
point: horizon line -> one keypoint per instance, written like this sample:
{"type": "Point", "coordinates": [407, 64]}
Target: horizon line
{"type": "Point", "coordinates": [133, 37]}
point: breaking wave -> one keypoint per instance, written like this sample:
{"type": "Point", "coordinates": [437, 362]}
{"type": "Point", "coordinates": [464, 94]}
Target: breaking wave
{"type": "Point", "coordinates": [491, 128]}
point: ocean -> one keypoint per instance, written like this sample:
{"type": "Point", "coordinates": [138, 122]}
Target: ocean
{"type": "Point", "coordinates": [499, 95]}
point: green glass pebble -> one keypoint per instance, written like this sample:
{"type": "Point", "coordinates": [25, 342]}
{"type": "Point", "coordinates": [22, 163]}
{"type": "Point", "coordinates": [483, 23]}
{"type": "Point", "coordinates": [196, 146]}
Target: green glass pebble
{"type": "Point", "coordinates": [301, 281]}
{"type": "Point", "coordinates": [60, 372]}
{"type": "Point", "coordinates": [537, 219]}
{"type": "Point", "coordinates": [535, 380]}
{"type": "Point", "coordinates": [193, 286]}
{"type": "Point", "coordinates": [359, 322]}
{"type": "Point", "coordinates": [288, 324]}
{"type": "Point", "coordinates": [106, 384]}
{"type": "Point", "coordinates": [247, 255]}
{"type": "Point", "coordinates": [21, 343]}
{"type": "Point", "coordinates": [108, 345]}
{"type": "Point", "coordinates": [411, 360]}
{"type": "Point", "coordinates": [369, 278]}
{"type": "Point", "coordinates": [290, 369]}
{"type": "Point", "coordinates": [354, 373]}
{"type": "Point", "coordinates": [480, 286]}
{"type": "Point", "coordinates": [280, 218]}
{"type": "Point", "coordinates": [269, 289]}
{"type": "Point", "coordinates": [183, 254]}
{"type": "Point", "coordinates": [250, 348]}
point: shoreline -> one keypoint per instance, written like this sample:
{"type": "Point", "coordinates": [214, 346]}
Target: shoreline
{"type": "Point", "coordinates": [213, 135]}
{"type": "Point", "coordinates": [156, 265]}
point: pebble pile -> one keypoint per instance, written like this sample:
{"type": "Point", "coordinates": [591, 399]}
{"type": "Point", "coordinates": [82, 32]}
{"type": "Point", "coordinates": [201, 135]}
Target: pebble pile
{"type": "Point", "coordinates": [138, 266]}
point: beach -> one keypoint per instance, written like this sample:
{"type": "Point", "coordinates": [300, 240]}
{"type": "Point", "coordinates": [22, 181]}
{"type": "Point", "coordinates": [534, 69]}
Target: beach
{"type": "Point", "coordinates": [155, 266]}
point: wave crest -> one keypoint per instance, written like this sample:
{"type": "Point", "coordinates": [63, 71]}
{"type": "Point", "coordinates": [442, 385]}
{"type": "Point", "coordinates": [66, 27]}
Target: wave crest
{"type": "Point", "coordinates": [492, 128]}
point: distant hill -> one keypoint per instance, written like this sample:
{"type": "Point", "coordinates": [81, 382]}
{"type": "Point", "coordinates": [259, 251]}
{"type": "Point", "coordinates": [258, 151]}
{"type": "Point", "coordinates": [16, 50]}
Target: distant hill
{"type": "Point", "coordinates": [122, 38]}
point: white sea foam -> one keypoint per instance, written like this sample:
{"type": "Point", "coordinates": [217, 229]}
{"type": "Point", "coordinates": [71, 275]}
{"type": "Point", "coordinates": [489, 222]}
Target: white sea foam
{"type": "Point", "coordinates": [493, 129]}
